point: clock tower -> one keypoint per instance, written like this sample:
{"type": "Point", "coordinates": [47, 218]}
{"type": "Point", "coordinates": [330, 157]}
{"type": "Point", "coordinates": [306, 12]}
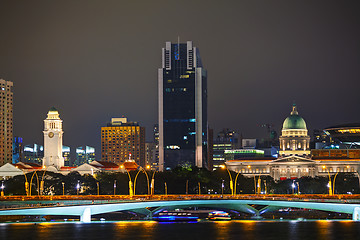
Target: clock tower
{"type": "Point", "coordinates": [53, 140]}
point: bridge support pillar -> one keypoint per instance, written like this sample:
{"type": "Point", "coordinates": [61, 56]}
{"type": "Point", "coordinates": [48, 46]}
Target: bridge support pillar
{"type": "Point", "coordinates": [86, 216]}
{"type": "Point", "coordinates": [356, 214]}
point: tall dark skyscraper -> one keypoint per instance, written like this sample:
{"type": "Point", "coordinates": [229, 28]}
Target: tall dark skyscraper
{"type": "Point", "coordinates": [183, 125]}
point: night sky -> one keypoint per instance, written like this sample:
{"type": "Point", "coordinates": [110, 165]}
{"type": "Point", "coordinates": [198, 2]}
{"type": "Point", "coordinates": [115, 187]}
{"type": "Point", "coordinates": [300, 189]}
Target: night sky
{"type": "Point", "coordinates": [94, 60]}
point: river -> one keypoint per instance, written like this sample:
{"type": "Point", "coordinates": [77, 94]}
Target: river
{"type": "Point", "coordinates": [237, 229]}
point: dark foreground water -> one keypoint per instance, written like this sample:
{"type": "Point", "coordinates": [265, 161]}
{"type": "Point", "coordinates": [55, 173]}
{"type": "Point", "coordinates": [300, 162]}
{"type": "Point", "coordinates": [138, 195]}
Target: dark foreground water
{"type": "Point", "coordinates": [300, 230]}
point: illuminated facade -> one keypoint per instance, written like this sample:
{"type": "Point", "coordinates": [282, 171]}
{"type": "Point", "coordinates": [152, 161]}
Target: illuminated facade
{"type": "Point", "coordinates": [294, 139]}
{"type": "Point", "coordinates": [53, 140]}
{"type": "Point", "coordinates": [346, 134]}
{"type": "Point", "coordinates": [84, 154]}
{"type": "Point", "coordinates": [6, 121]}
{"type": "Point", "coordinates": [296, 160]}
{"type": "Point", "coordinates": [121, 138]}
{"type": "Point", "coordinates": [66, 155]}
{"type": "Point", "coordinates": [17, 150]}
{"type": "Point", "coordinates": [225, 140]}
{"type": "Point", "coordinates": [33, 153]}
{"type": "Point", "coordinates": [182, 89]}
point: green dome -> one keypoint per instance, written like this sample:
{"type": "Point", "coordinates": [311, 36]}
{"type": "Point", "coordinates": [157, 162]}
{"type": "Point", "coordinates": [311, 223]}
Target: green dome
{"type": "Point", "coordinates": [294, 121]}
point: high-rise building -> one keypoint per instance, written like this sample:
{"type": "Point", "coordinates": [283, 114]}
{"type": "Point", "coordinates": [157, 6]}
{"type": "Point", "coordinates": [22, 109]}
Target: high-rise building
{"type": "Point", "coordinates": [17, 150]}
{"type": "Point", "coordinates": [182, 100]}
{"type": "Point", "coordinates": [226, 140]}
{"type": "Point", "coordinates": [33, 153]}
{"type": "Point", "coordinates": [6, 121]}
{"type": "Point", "coordinates": [121, 138]}
{"type": "Point", "coordinates": [84, 154]}
{"type": "Point", "coordinates": [66, 155]}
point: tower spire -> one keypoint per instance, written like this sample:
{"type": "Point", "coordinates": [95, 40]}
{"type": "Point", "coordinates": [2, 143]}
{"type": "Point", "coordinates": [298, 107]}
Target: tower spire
{"type": "Point", "coordinates": [294, 109]}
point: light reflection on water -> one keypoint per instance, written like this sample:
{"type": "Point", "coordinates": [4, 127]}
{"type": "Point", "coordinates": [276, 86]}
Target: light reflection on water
{"type": "Point", "coordinates": [236, 229]}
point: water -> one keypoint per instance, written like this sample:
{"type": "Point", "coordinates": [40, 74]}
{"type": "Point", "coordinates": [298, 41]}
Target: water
{"type": "Point", "coordinates": [295, 230]}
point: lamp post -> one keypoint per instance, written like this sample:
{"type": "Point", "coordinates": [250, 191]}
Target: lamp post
{"type": "Point", "coordinates": [2, 188]}
{"type": "Point", "coordinates": [298, 187]}
{"type": "Point", "coordinates": [329, 183]}
{"type": "Point", "coordinates": [333, 189]}
{"type": "Point", "coordinates": [98, 188]}
{"type": "Point", "coordinates": [42, 181]}
{"type": "Point", "coordinates": [63, 188]}
{"type": "Point", "coordinates": [114, 187]}
{"type": "Point", "coordinates": [293, 187]}
{"type": "Point", "coordinates": [199, 188]}
{"type": "Point", "coordinates": [77, 187]}
{"type": "Point", "coordinates": [130, 182]}
{"type": "Point", "coordinates": [187, 187]}
{"type": "Point", "coordinates": [222, 186]}
{"type": "Point", "coordinates": [153, 183]}
{"type": "Point", "coordinates": [165, 189]}
{"type": "Point", "coordinates": [231, 181]}
{"type": "Point", "coordinates": [236, 181]}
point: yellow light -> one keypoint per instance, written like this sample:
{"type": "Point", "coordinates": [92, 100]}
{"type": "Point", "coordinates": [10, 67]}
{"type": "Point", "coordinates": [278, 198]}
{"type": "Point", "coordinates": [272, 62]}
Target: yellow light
{"type": "Point", "coordinates": [222, 166]}
{"type": "Point", "coordinates": [121, 166]}
{"type": "Point", "coordinates": [323, 167]}
{"type": "Point", "coordinates": [249, 166]}
{"type": "Point", "coordinates": [147, 166]}
{"type": "Point", "coordinates": [347, 166]}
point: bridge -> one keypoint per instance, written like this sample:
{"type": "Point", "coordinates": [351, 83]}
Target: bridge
{"type": "Point", "coordinates": [150, 206]}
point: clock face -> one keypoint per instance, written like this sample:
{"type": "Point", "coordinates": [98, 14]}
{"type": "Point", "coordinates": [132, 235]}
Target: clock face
{"type": "Point", "coordinates": [51, 134]}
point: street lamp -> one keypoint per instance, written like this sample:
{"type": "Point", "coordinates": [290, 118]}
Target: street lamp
{"type": "Point", "coordinates": [293, 187]}
{"type": "Point", "coordinates": [329, 183]}
{"type": "Point", "coordinates": [98, 188]}
{"type": "Point", "coordinates": [114, 187]}
{"type": "Point", "coordinates": [199, 188]}
{"type": "Point", "coordinates": [298, 187]}
{"type": "Point", "coordinates": [231, 181]}
{"type": "Point", "coordinates": [130, 182]}
{"type": "Point", "coordinates": [165, 189]}
{"type": "Point", "coordinates": [42, 181]}
{"type": "Point", "coordinates": [63, 188]}
{"type": "Point", "coordinates": [2, 188]}
{"type": "Point", "coordinates": [152, 186]}
{"type": "Point", "coordinates": [187, 187]}
{"type": "Point", "coordinates": [77, 187]}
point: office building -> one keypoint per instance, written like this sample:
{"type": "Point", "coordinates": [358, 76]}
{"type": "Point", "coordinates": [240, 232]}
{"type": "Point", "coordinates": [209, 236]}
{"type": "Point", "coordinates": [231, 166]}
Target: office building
{"type": "Point", "coordinates": [33, 153]}
{"type": "Point", "coordinates": [84, 154]}
{"type": "Point", "coordinates": [226, 140]}
{"type": "Point", "coordinates": [66, 155]}
{"type": "Point", "coordinates": [121, 138]}
{"type": "Point", "coordinates": [182, 100]}
{"type": "Point", "coordinates": [17, 150]}
{"type": "Point", "coordinates": [6, 121]}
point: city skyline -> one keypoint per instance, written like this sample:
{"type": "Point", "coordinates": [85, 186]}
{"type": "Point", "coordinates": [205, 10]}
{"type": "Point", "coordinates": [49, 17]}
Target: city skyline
{"type": "Point", "coordinates": [260, 57]}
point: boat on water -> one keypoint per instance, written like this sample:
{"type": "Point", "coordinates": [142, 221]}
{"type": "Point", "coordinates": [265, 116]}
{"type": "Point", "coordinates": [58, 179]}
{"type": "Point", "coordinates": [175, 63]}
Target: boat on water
{"type": "Point", "coordinates": [219, 216]}
{"type": "Point", "coordinates": [175, 216]}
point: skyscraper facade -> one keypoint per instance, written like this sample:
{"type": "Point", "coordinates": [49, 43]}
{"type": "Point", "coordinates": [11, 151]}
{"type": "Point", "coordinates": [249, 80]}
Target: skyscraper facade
{"type": "Point", "coordinates": [121, 138]}
{"type": "Point", "coordinates": [182, 89]}
{"type": "Point", "coordinates": [6, 121]}
{"type": "Point", "coordinates": [84, 154]}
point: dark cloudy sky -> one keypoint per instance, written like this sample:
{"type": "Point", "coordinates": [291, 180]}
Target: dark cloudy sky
{"type": "Point", "coordinates": [94, 60]}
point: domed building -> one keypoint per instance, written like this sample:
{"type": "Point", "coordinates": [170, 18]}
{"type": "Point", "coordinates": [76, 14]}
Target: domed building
{"type": "Point", "coordinates": [294, 139]}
